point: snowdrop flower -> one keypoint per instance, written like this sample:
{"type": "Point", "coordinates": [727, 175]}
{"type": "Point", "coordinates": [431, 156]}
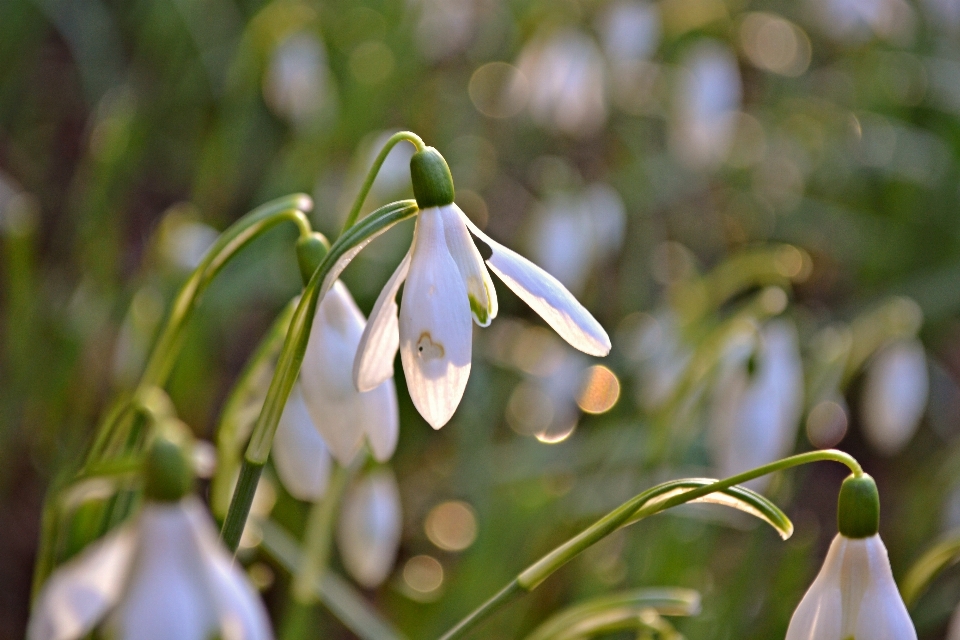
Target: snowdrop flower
{"type": "Point", "coordinates": [163, 575]}
{"type": "Point", "coordinates": [300, 455]}
{"type": "Point", "coordinates": [854, 596]}
{"type": "Point", "coordinates": [297, 84]}
{"type": "Point", "coordinates": [573, 233]}
{"type": "Point", "coordinates": [446, 283]}
{"type": "Point", "coordinates": [756, 416]}
{"type": "Point", "coordinates": [368, 534]}
{"type": "Point", "coordinates": [894, 395]}
{"type": "Point", "coordinates": [345, 417]}
{"type": "Point", "coordinates": [565, 76]}
{"type": "Point", "coordinates": [708, 98]}
{"type": "Point", "coordinates": [630, 31]}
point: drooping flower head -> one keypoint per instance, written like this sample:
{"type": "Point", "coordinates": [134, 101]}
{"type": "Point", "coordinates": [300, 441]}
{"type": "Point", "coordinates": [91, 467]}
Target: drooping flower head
{"type": "Point", "coordinates": [447, 283]}
{"type": "Point", "coordinates": [854, 596]}
{"type": "Point", "coordinates": [163, 575]}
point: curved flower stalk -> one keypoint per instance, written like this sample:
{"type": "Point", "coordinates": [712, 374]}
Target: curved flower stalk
{"type": "Point", "coordinates": [345, 417]}
{"type": "Point", "coordinates": [854, 596]}
{"type": "Point", "coordinates": [368, 534]}
{"type": "Point", "coordinates": [163, 575]}
{"type": "Point", "coordinates": [894, 395]}
{"type": "Point", "coordinates": [756, 416]}
{"type": "Point", "coordinates": [447, 282]}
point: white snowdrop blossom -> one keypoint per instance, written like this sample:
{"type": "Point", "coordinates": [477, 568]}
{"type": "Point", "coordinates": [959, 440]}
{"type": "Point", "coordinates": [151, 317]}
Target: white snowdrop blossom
{"type": "Point", "coordinates": [447, 282]}
{"type": "Point", "coordinates": [707, 102]}
{"type": "Point", "coordinates": [346, 417]}
{"type": "Point", "coordinates": [630, 31]}
{"type": "Point", "coordinates": [163, 575]}
{"type": "Point", "coordinates": [300, 455]}
{"type": "Point", "coordinates": [572, 234]}
{"type": "Point", "coordinates": [298, 83]}
{"type": "Point", "coordinates": [854, 596]}
{"type": "Point", "coordinates": [368, 534]}
{"type": "Point", "coordinates": [894, 395]}
{"type": "Point", "coordinates": [565, 78]}
{"type": "Point", "coordinates": [756, 416]}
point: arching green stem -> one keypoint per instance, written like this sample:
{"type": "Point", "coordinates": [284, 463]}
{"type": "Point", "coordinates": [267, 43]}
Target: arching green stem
{"type": "Point", "coordinates": [291, 357]}
{"type": "Point", "coordinates": [410, 137]}
{"type": "Point", "coordinates": [170, 340]}
{"type": "Point", "coordinates": [634, 509]}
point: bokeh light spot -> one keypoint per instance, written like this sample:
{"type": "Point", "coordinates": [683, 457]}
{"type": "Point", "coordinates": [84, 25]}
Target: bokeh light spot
{"type": "Point", "coordinates": [827, 424]}
{"type": "Point", "coordinates": [452, 526]}
{"type": "Point", "coordinates": [423, 574]}
{"type": "Point", "coordinates": [498, 90]}
{"type": "Point", "coordinates": [600, 391]}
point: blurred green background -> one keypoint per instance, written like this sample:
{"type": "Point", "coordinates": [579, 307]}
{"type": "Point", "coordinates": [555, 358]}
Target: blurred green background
{"type": "Point", "coordinates": [629, 147]}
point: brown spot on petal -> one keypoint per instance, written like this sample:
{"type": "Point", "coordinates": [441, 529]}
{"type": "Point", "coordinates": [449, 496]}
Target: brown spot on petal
{"type": "Point", "coordinates": [427, 348]}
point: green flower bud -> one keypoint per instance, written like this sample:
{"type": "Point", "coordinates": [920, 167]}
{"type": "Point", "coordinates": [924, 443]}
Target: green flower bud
{"type": "Point", "coordinates": [310, 253]}
{"type": "Point", "coordinates": [858, 507]}
{"type": "Point", "coordinates": [168, 472]}
{"type": "Point", "coordinates": [432, 182]}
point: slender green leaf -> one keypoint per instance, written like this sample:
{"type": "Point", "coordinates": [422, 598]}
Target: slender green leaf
{"type": "Point", "coordinates": [936, 559]}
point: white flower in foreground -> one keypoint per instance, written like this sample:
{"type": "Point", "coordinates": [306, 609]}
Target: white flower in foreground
{"type": "Point", "coordinates": [345, 417]}
{"type": "Point", "coordinates": [163, 575]}
{"type": "Point", "coordinates": [854, 596]}
{"type": "Point", "coordinates": [299, 453]}
{"type": "Point", "coordinates": [368, 534]}
{"type": "Point", "coordinates": [894, 395]}
{"type": "Point", "coordinates": [756, 415]}
{"type": "Point", "coordinates": [446, 282]}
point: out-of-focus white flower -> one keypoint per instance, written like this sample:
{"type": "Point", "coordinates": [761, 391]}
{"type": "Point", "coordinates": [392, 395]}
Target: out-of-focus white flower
{"type": "Point", "coordinates": [297, 85]}
{"type": "Point", "coordinates": [571, 234]}
{"type": "Point", "coordinates": [445, 27]}
{"type": "Point", "coordinates": [163, 575]}
{"type": "Point", "coordinates": [299, 453]}
{"type": "Point", "coordinates": [629, 31]}
{"type": "Point", "coordinates": [368, 534]}
{"type": "Point", "coordinates": [447, 282]}
{"type": "Point", "coordinates": [894, 395]}
{"type": "Point", "coordinates": [345, 417]}
{"type": "Point", "coordinates": [854, 596]}
{"type": "Point", "coordinates": [564, 74]}
{"type": "Point", "coordinates": [706, 105]}
{"type": "Point", "coordinates": [662, 357]}
{"type": "Point", "coordinates": [755, 415]}
{"type": "Point", "coordinates": [856, 21]}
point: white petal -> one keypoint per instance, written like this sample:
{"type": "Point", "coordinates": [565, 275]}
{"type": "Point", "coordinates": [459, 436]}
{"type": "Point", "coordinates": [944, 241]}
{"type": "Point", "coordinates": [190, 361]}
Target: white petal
{"type": "Point", "coordinates": [819, 614]}
{"type": "Point", "coordinates": [79, 593]}
{"type": "Point", "coordinates": [894, 395]}
{"type": "Point", "coordinates": [240, 611]}
{"type": "Point", "coordinates": [547, 297]}
{"type": "Point", "coordinates": [368, 534]}
{"type": "Point", "coordinates": [883, 615]}
{"type": "Point", "coordinates": [325, 376]}
{"type": "Point", "coordinates": [299, 453]}
{"type": "Point", "coordinates": [953, 631]}
{"type": "Point", "coordinates": [381, 338]}
{"type": "Point", "coordinates": [435, 325]}
{"type": "Point", "coordinates": [482, 295]}
{"type": "Point", "coordinates": [168, 595]}
{"type": "Point", "coordinates": [380, 417]}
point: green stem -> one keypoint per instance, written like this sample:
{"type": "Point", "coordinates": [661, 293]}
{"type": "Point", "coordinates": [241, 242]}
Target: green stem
{"type": "Point", "coordinates": [410, 137]}
{"type": "Point", "coordinates": [630, 511]}
{"type": "Point", "coordinates": [318, 537]}
{"type": "Point", "coordinates": [294, 346]}
{"type": "Point", "coordinates": [240, 504]}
